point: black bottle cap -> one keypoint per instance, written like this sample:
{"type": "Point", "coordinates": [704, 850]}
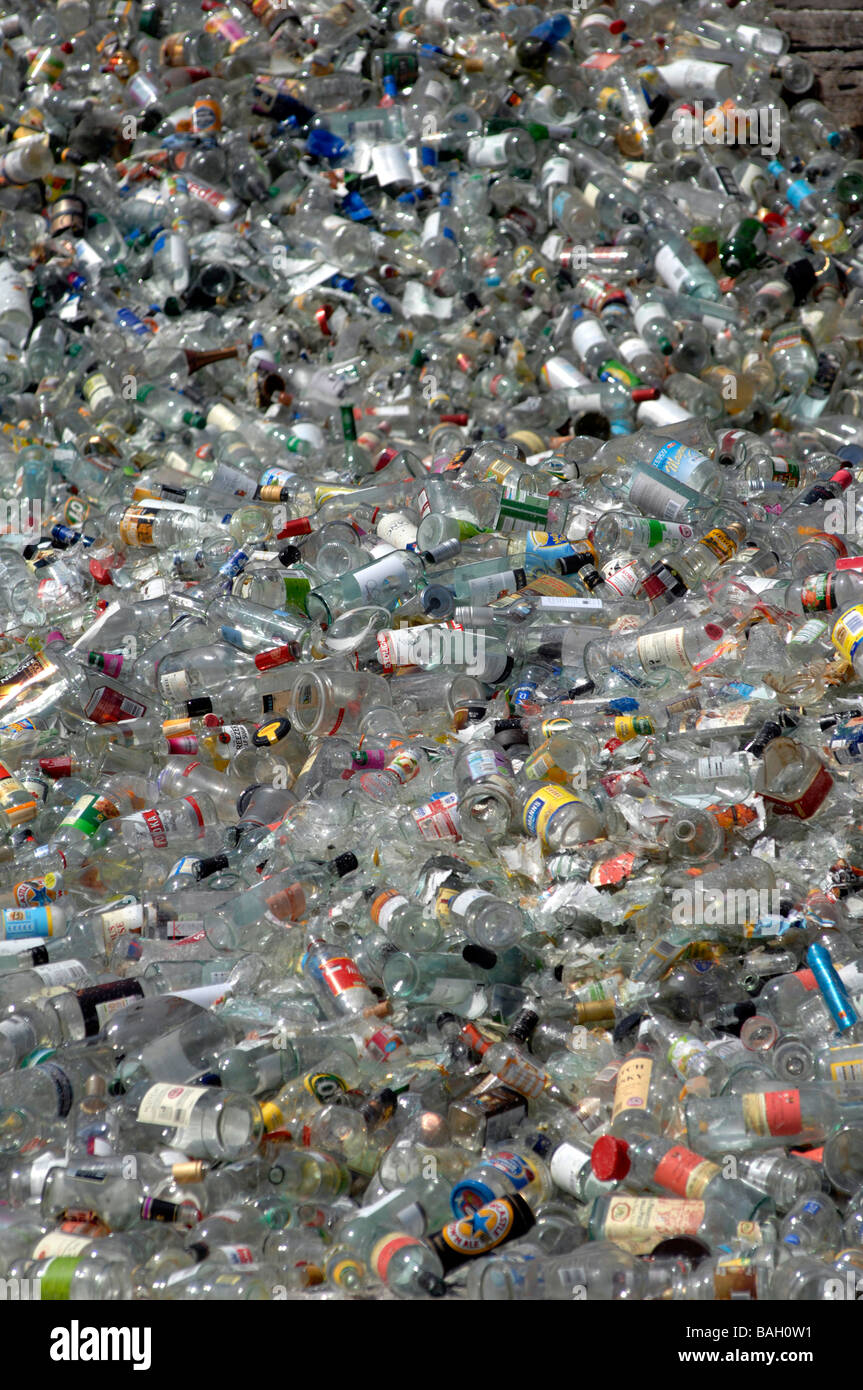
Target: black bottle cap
{"type": "Point", "coordinates": [479, 955]}
{"type": "Point", "coordinates": [523, 1025]}
{"type": "Point", "coordinates": [625, 1026]}
{"type": "Point", "coordinates": [472, 301]}
{"type": "Point", "coordinates": [680, 1248]}
{"type": "Point", "coordinates": [575, 692]}
{"type": "Point", "coordinates": [431, 1284]}
{"type": "Point", "coordinates": [800, 275]}
{"type": "Point", "coordinates": [571, 564]}
{"type": "Point", "coordinates": [198, 707]}
{"type": "Point", "coordinates": [245, 797]}
{"type": "Point", "coordinates": [213, 865]}
{"type": "Point", "coordinates": [289, 556]}
{"type": "Point", "coordinates": [345, 863]}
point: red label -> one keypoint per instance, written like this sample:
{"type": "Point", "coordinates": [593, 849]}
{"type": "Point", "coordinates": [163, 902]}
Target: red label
{"type": "Point", "coordinates": [807, 804]}
{"type": "Point", "coordinates": [153, 822]}
{"type": "Point", "coordinates": [385, 1250]}
{"type": "Point", "coordinates": [684, 1173]}
{"type": "Point", "coordinates": [782, 1109]}
{"type": "Point", "coordinates": [342, 973]}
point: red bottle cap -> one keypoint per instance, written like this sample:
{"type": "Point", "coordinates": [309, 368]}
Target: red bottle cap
{"type": "Point", "coordinates": [300, 526]}
{"type": "Point", "coordinates": [610, 1159]}
{"type": "Point", "coordinates": [276, 656]}
{"type": "Point", "coordinates": [56, 767]}
{"type": "Point", "coordinates": [100, 573]}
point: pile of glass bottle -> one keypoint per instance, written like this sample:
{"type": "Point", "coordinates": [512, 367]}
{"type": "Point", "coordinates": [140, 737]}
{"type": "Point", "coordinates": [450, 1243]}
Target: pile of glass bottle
{"type": "Point", "coordinates": [431, 701]}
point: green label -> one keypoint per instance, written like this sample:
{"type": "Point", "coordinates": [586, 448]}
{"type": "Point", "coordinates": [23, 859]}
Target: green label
{"type": "Point", "coordinates": [57, 1278]}
{"type": "Point", "coordinates": [88, 813]}
{"type": "Point", "coordinates": [523, 510]}
{"type": "Point", "coordinates": [296, 590]}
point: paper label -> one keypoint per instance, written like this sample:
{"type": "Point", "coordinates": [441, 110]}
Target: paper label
{"type": "Point", "coordinates": [633, 1084]}
{"type": "Point", "coordinates": [165, 1104]}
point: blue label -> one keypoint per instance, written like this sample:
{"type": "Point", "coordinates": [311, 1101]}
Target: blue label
{"type": "Point", "coordinates": [678, 460]}
{"type": "Point", "coordinates": [26, 921]}
{"type": "Point", "coordinates": [797, 192]}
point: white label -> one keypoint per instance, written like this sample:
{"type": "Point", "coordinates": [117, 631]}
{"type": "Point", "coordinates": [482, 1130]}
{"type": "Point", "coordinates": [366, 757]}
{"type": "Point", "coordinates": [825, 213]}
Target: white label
{"type": "Point", "coordinates": [655, 498]}
{"type": "Point", "coordinates": [663, 649]}
{"type": "Point", "coordinates": [398, 530]}
{"type": "Point", "coordinates": [390, 165]}
{"type": "Point", "coordinates": [717, 767]}
{"type": "Point", "coordinates": [585, 333]}
{"type": "Point", "coordinates": [484, 588]}
{"type": "Point", "coordinates": [460, 904]}
{"type": "Point", "coordinates": [555, 170]}
{"type": "Point", "coordinates": [624, 581]}
{"type": "Point", "coordinates": [175, 684]}
{"type": "Point", "coordinates": [649, 313]}
{"type": "Point", "coordinates": [670, 267]}
{"type": "Point", "coordinates": [165, 1104]}
{"type": "Point", "coordinates": [693, 79]}
{"type": "Point", "coordinates": [488, 151]}
{"type": "Point", "coordinates": [62, 972]}
{"type": "Point", "coordinates": [57, 1243]}
{"type": "Point", "coordinates": [570, 604]}
{"type": "Point", "coordinates": [376, 580]}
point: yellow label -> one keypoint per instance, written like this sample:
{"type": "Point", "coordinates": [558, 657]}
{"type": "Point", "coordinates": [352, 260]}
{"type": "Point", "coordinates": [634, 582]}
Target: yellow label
{"type": "Point", "coordinates": [640, 1223]}
{"type": "Point", "coordinates": [633, 1084]}
{"type": "Point", "coordinates": [755, 1113]}
{"type": "Point", "coordinates": [848, 632]}
{"type": "Point", "coordinates": [720, 544]}
{"type": "Point", "coordinates": [541, 764]}
{"type": "Point", "coordinates": [543, 805]}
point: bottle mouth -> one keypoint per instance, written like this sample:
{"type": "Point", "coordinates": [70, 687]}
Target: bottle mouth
{"type": "Point", "coordinates": [684, 831]}
{"type": "Point", "coordinates": [308, 703]}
